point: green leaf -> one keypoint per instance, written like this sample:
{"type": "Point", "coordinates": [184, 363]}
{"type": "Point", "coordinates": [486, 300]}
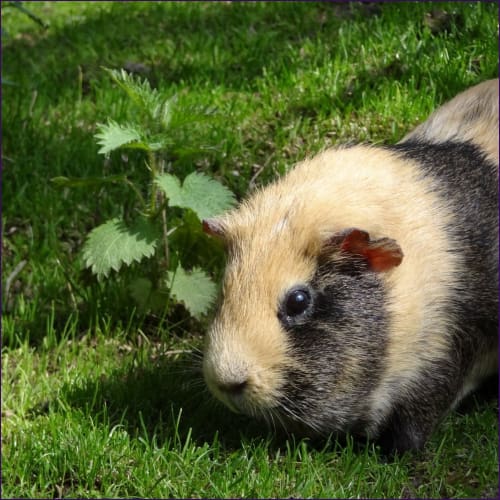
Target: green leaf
{"type": "Point", "coordinates": [112, 244]}
{"type": "Point", "coordinates": [172, 188]}
{"type": "Point", "coordinates": [112, 136]}
{"type": "Point", "coordinates": [203, 195]}
{"type": "Point", "coordinates": [166, 111]}
{"type": "Point", "coordinates": [139, 91]}
{"type": "Point", "coordinates": [195, 290]}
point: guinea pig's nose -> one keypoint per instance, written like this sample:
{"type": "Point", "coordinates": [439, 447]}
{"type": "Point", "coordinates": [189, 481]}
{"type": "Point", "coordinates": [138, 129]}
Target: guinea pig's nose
{"type": "Point", "coordinates": [233, 388]}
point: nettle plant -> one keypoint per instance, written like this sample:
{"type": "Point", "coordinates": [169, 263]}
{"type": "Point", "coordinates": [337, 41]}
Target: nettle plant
{"type": "Point", "coordinates": [165, 206]}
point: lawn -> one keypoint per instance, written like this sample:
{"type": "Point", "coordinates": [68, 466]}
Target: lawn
{"type": "Point", "coordinates": [101, 400]}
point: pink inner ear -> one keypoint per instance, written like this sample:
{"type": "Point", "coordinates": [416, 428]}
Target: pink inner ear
{"type": "Point", "coordinates": [384, 254]}
{"type": "Point", "coordinates": [213, 227]}
{"type": "Point", "coordinates": [381, 255]}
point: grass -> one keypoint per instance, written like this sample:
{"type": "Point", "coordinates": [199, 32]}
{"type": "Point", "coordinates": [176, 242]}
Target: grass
{"type": "Point", "coordinates": [98, 401]}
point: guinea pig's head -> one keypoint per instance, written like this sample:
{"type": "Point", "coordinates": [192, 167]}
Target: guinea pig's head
{"type": "Point", "coordinates": [300, 334]}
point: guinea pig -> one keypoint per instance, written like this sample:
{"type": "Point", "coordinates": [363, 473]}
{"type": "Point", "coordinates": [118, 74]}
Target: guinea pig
{"type": "Point", "coordinates": [360, 292]}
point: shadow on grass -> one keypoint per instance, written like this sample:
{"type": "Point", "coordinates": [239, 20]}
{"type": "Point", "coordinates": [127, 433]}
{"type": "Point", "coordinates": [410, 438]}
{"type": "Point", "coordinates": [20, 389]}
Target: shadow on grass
{"type": "Point", "coordinates": [108, 37]}
{"type": "Point", "coordinates": [166, 399]}
{"type": "Point", "coordinates": [223, 44]}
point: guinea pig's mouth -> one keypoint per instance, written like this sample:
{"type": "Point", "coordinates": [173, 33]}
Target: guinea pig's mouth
{"type": "Point", "coordinates": [277, 410]}
{"type": "Point", "coordinates": [241, 387]}
{"type": "Point", "coordinates": [233, 402]}
{"type": "Point", "coordinates": [242, 402]}
{"type": "Point", "coordinates": [248, 400]}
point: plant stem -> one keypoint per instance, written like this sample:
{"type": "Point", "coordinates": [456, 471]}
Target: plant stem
{"type": "Point", "coordinates": [154, 173]}
{"type": "Point", "coordinates": [156, 200]}
{"type": "Point", "coordinates": [165, 237]}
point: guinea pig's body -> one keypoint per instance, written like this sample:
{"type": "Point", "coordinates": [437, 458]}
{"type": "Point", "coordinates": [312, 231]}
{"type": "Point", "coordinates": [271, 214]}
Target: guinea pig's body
{"type": "Point", "coordinates": [361, 289]}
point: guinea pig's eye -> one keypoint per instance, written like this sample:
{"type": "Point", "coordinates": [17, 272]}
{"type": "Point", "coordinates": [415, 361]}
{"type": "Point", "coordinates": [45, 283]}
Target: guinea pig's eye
{"type": "Point", "coordinates": [296, 302]}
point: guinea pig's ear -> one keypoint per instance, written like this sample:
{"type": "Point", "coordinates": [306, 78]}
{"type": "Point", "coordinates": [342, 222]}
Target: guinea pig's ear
{"type": "Point", "coordinates": [214, 227]}
{"type": "Point", "coordinates": [381, 255]}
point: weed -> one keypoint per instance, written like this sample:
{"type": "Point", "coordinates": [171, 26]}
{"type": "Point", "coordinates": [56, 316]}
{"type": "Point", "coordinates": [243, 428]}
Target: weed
{"type": "Point", "coordinates": [119, 241]}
